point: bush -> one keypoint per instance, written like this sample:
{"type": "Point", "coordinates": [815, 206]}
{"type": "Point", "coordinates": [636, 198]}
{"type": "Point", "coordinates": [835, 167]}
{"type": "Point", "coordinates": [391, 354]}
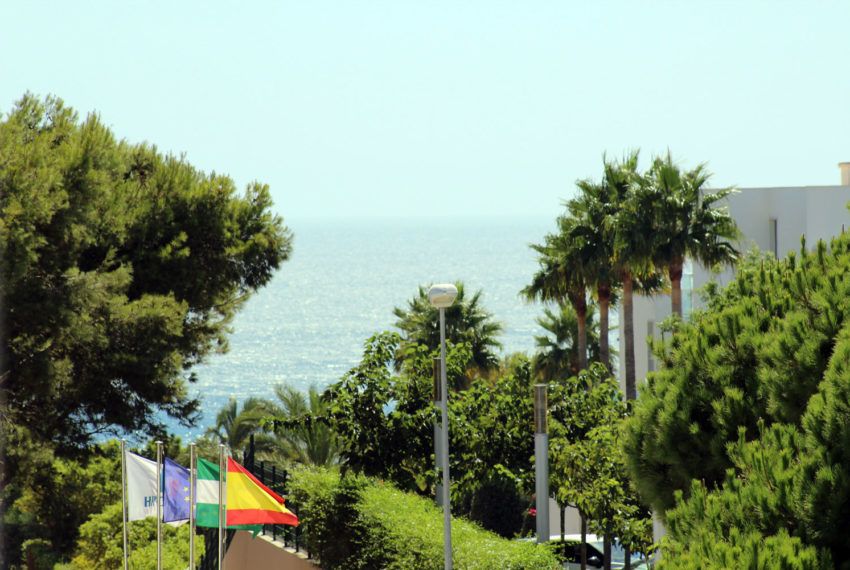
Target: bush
{"type": "Point", "coordinates": [498, 507]}
{"type": "Point", "coordinates": [744, 550]}
{"type": "Point", "coordinates": [356, 523]}
{"type": "Point", "coordinates": [52, 497]}
{"type": "Point", "coordinates": [741, 441]}
{"type": "Point", "coordinates": [100, 546]}
{"type": "Point", "coordinates": [38, 554]}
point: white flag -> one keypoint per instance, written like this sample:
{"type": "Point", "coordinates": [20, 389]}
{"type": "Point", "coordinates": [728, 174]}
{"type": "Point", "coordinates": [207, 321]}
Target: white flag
{"type": "Point", "coordinates": [142, 490]}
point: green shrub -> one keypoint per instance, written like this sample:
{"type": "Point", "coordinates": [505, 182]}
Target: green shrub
{"type": "Point", "coordinates": [38, 554]}
{"type": "Point", "coordinates": [752, 402]}
{"type": "Point", "coordinates": [744, 550]}
{"type": "Point", "coordinates": [357, 523]}
{"type": "Point", "coordinates": [498, 506]}
{"type": "Point", "coordinates": [100, 546]}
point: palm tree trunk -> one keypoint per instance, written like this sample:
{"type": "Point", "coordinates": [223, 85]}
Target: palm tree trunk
{"type": "Point", "coordinates": [675, 272]}
{"type": "Point", "coordinates": [581, 314]}
{"type": "Point", "coordinates": [604, 293]}
{"type": "Point", "coordinates": [629, 336]}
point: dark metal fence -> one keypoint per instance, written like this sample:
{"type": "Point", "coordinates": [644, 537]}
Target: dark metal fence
{"type": "Point", "coordinates": [276, 479]}
{"type": "Point", "coordinates": [209, 561]}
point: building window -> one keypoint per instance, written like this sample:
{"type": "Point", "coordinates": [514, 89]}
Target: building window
{"type": "Point", "coordinates": [650, 334]}
{"type": "Point", "coordinates": [773, 238]}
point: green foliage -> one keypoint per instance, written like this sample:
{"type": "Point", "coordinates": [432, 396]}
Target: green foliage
{"type": "Point", "coordinates": [384, 421]}
{"type": "Point", "coordinates": [629, 218]}
{"type": "Point", "coordinates": [121, 270]}
{"type": "Point", "coordinates": [498, 506]}
{"type": "Point", "coordinates": [302, 427]}
{"type": "Point", "coordinates": [326, 517]}
{"type": "Point", "coordinates": [492, 437]}
{"type": "Point", "coordinates": [687, 220]}
{"type": "Point", "coordinates": [752, 401]}
{"type": "Point", "coordinates": [557, 350]}
{"type": "Point", "coordinates": [587, 468]}
{"type": "Point", "coordinates": [562, 276]}
{"type": "Point", "coordinates": [467, 322]}
{"type": "Point", "coordinates": [356, 523]}
{"type": "Point", "coordinates": [709, 386]}
{"type": "Point", "coordinates": [53, 496]}
{"type": "Point", "coordinates": [38, 554]}
{"type": "Point", "coordinates": [761, 490]}
{"type": "Point", "coordinates": [750, 551]}
{"type": "Point", "coordinates": [100, 546]}
{"type": "Point", "coordinates": [234, 427]}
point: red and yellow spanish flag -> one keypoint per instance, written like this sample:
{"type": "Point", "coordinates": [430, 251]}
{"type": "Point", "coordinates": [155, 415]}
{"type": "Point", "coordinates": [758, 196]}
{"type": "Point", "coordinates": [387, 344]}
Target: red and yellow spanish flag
{"type": "Point", "coordinates": [251, 502]}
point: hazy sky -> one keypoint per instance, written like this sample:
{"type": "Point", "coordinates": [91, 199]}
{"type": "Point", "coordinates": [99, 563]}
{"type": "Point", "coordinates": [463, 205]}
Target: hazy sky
{"type": "Point", "coordinates": [433, 108]}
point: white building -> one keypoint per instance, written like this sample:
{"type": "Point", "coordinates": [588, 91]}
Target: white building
{"type": "Point", "coordinates": [770, 219]}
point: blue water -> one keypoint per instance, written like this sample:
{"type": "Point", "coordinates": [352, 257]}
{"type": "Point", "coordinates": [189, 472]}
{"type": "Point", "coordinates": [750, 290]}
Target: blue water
{"type": "Point", "coordinates": [308, 325]}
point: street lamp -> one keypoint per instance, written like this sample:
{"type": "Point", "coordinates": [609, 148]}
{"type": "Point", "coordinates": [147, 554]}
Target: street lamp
{"type": "Point", "coordinates": [541, 459]}
{"type": "Point", "coordinates": [442, 296]}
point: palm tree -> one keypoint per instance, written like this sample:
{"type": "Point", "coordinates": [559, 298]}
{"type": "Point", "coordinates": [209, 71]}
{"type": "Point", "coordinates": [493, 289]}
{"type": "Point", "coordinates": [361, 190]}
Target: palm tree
{"type": "Point", "coordinates": [687, 221]}
{"type": "Point", "coordinates": [557, 355]}
{"type": "Point", "coordinates": [303, 435]}
{"type": "Point", "coordinates": [562, 278]}
{"type": "Point", "coordinates": [234, 427]}
{"type": "Point", "coordinates": [466, 321]}
{"type": "Point", "coordinates": [590, 232]}
{"type": "Point", "coordinates": [630, 223]}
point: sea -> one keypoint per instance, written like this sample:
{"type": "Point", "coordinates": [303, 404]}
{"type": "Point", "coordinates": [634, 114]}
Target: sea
{"type": "Point", "coordinates": [339, 287]}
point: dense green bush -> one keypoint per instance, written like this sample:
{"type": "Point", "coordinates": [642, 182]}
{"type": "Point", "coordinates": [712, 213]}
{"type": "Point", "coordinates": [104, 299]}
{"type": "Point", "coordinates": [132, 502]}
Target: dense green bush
{"type": "Point", "coordinates": [753, 402]}
{"type": "Point", "coordinates": [53, 496]}
{"type": "Point", "coordinates": [752, 551]}
{"type": "Point", "coordinates": [498, 506]}
{"type": "Point", "coordinates": [38, 554]}
{"type": "Point", "coordinates": [385, 421]}
{"type": "Point", "coordinates": [100, 546]}
{"type": "Point", "coordinates": [357, 523]}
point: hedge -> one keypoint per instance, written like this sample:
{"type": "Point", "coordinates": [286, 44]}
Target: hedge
{"type": "Point", "coordinates": [353, 522]}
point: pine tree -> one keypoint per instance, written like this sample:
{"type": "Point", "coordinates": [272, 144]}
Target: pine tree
{"type": "Point", "coordinates": [752, 401]}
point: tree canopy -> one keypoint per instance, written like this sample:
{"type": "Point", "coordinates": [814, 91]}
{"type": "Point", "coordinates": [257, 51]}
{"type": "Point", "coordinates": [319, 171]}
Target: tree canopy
{"type": "Point", "coordinates": [688, 221]}
{"type": "Point", "coordinates": [384, 420]}
{"type": "Point", "coordinates": [587, 468]}
{"type": "Point", "coordinates": [562, 278]}
{"type": "Point", "coordinates": [557, 354]}
{"type": "Point", "coordinates": [743, 431]}
{"type": "Point", "coordinates": [121, 269]}
{"type": "Point", "coordinates": [466, 321]}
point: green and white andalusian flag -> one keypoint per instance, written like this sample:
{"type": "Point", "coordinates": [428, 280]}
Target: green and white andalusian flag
{"type": "Point", "coordinates": [206, 513]}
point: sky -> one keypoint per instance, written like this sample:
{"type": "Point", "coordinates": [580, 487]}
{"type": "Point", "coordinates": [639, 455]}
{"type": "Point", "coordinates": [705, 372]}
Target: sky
{"type": "Point", "coordinates": [427, 109]}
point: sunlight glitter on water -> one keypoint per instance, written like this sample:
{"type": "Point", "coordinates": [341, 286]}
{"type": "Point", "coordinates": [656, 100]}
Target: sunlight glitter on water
{"type": "Point", "coordinates": [340, 286]}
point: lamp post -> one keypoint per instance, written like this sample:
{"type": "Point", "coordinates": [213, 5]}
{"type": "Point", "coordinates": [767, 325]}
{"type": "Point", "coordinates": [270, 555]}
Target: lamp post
{"type": "Point", "coordinates": [438, 437]}
{"type": "Point", "coordinates": [442, 296]}
{"type": "Point", "coordinates": [541, 459]}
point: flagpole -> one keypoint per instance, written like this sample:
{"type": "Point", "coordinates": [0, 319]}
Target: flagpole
{"type": "Point", "coordinates": [124, 502]}
{"type": "Point", "coordinates": [192, 469]}
{"type": "Point", "coordinates": [220, 504]}
{"type": "Point", "coordinates": [158, 505]}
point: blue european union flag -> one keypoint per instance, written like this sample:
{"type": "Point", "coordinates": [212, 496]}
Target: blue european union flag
{"type": "Point", "coordinates": [175, 492]}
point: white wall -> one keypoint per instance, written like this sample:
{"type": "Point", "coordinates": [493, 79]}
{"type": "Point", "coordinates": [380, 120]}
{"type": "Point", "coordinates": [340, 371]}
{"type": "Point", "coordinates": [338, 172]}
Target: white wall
{"type": "Point", "coordinates": [572, 522]}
